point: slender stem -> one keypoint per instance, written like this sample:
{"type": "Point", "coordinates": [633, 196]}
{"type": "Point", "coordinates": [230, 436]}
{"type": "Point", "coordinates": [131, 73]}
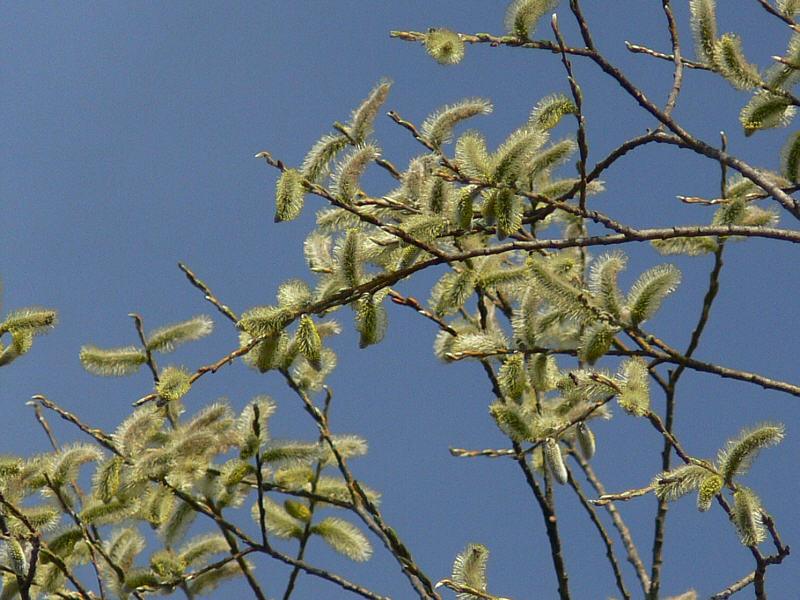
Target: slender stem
{"type": "Point", "coordinates": [312, 504]}
{"type": "Point", "coordinates": [619, 524]}
{"type": "Point", "coordinates": [364, 507]}
{"type": "Point", "coordinates": [240, 560]}
{"type": "Point", "coordinates": [601, 530]}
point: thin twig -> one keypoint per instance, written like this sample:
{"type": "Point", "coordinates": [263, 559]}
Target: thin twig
{"type": "Point", "coordinates": [601, 530]}
{"type": "Point", "coordinates": [632, 553]}
{"type": "Point", "coordinates": [208, 294]}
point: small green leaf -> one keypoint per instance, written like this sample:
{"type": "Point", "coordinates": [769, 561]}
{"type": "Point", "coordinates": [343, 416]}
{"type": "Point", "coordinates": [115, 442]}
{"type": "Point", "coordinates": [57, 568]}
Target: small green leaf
{"type": "Point", "coordinates": [299, 510]}
{"type": "Point", "coordinates": [278, 521]}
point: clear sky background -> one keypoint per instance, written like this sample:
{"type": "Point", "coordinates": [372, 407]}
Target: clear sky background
{"type": "Point", "coordinates": [128, 134]}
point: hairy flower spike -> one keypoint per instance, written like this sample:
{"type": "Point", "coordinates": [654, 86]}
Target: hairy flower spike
{"type": "Point", "coordinates": [371, 319]}
{"type": "Point", "coordinates": [586, 440]}
{"type": "Point", "coordinates": [289, 192]}
{"type": "Point", "coordinates": [554, 460]}
{"type": "Point", "coordinates": [507, 213]}
{"type": "Point", "coordinates": [166, 339]}
{"type": "Point", "coordinates": [733, 65]}
{"type": "Point", "coordinates": [363, 118]}
{"type": "Point", "coordinates": [635, 395]}
{"type": "Point", "coordinates": [514, 420]}
{"type": "Point", "coordinates": [35, 320]}
{"type": "Point", "coordinates": [596, 341]}
{"type": "Point", "coordinates": [264, 320]}
{"type": "Point", "coordinates": [549, 111]}
{"type": "Point", "coordinates": [344, 537]}
{"type": "Point", "coordinates": [469, 569]}
{"type": "Point", "coordinates": [514, 153]}
{"type": "Point", "coordinates": [738, 454]}
{"type": "Point", "coordinates": [316, 164]}
{"type": "Point", "coordinates": [173, 384]}
{"type": "Point", "coordinates": [790, 155]}
{"type": "Point", "coordinates": [704, 27]}
{"type": "Point", "coordinates": [112, 362]}
{"type": "Point", "coordinates": [17, 557]}
{"type": "Point", "coordinates": [765, 111]}
{"type": "Point", "coordinates": [694, 246]}
{"type": "Point", "coordinates": [523, 15]}
{"type": "Point", "coordinates": [438, 127]}
{"type": "Point", "coordinates": [349, 171]}
{"type": "Point", "coordinates": [678, 482]}
{"type": "Point", "coordinates": [308, 341]}
{"type": "Point", "coordinates": [512, 376]}
{"type": "Point", "coordinates": [650, 290]}
{"type": "Point", "coordinates": [708, 490]}
{"type": "Point", "coordinates": [747, 517]}
{"type": "Point", "coordinates": [790, 8]}
{"type": "Point", "coordinates": [603, 281]}
{"type": "Point", "coordinates": [452, 291]}
{"type": "Point", "coordinates": [445, 46]}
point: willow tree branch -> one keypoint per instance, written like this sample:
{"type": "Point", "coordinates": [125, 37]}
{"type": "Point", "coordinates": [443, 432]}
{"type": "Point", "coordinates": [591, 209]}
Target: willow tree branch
{"type": "Point", "coordinates": [312, 505]}
{"type": "Point", "coordinates": [207, 293]}
{"type": "Point", "coordinates": [601, 530]}
{"type": "Point", "coordinates": [364, 507]}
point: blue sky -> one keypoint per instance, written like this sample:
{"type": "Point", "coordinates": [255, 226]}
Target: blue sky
{"type": "Point", "coordinates": [128, 139]}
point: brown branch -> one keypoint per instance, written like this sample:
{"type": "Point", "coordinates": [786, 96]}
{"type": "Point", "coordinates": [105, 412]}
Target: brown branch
{"type": "Point", "coordinates": [207, 293]}
{"type": "Point", "coordinates": [413, 303]}
{"type": "Point", "coordinates": [776, 13]}
{"type": "Point", "coordinates": [577, 96]}
{"type": "Point", "coordinates": [312, 505]}
{"type": "Point", "coordinates": [363, 506]}
{"type": "Point", "coordinates": [601, 530]}
{"type": "Point", "coordinates": [632, 553]}
{"type": "Point", "coordinates": [735, 587]}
